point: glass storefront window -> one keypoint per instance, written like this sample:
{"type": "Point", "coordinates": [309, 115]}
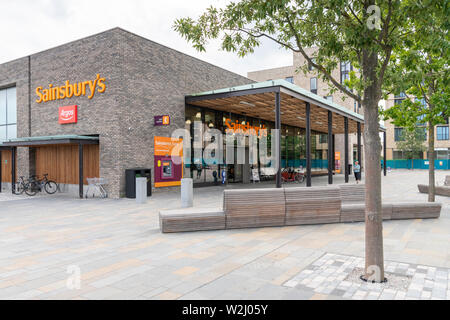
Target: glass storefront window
{"type": "Point", "coordinates": [11, 109]}
{"type": "Point", "coordinates": [2, 133]}
{"type": "Point", "coordinates": [8, 114]}
{"type": "Point", "coordinates": [293, 146]}
{"type": "Point", "coordinates": [210, 119]}
{"type": "Point", "coordinates": [2, 107]}
{"type": "Point", "coordinates": [11, 131]}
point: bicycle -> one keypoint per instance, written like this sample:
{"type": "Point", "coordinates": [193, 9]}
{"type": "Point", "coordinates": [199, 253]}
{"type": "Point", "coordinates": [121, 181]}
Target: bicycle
{"type": "Point", "coordinates": [50, 186]}
{"type": "Point", "coordinates": [21, 186]}
{"type": "Point", "coordinates": [35, 185]}
{"type": "Point", "coordinates": [292, 175]}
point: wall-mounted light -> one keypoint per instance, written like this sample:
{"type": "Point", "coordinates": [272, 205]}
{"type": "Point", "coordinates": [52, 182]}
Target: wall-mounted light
{"type": "Point", "coordinates": [188, 121]}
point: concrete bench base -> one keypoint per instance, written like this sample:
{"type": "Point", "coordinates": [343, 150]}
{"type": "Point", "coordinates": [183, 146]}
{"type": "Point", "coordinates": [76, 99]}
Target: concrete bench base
{"type": "Point", "coordinates": [191, 219]}
{"type": "Point", "coordinates": [439, 190]}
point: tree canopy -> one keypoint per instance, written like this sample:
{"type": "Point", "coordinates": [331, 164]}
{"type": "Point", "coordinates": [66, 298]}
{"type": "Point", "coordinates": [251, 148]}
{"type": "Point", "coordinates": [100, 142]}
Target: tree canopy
{"type": "Point", "coordinates": [421, 70]}
{"type": "Point", "coordinates": [337, 28]}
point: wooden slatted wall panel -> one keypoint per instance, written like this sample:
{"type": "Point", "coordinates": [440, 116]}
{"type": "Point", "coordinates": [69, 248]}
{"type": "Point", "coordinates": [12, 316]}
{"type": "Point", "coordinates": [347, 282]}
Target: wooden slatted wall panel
{"type": "Point", "coordinates": [61, 162]}
{"type": "Point", "coordinates": [46, 161]}
{"type": "Point", "coordinates": [6, 165]}
{"type": "Point", "coordinates": [91, 161]}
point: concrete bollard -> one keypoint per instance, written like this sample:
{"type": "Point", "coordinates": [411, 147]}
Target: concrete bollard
{"type": "Point", "coordinates": [187, 192]}
{"type": "Point", "coordinates": [141, 190]}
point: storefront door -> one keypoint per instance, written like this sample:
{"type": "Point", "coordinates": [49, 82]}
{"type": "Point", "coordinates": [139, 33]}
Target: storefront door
{"type": "Point", "coordinates": [5, 156]}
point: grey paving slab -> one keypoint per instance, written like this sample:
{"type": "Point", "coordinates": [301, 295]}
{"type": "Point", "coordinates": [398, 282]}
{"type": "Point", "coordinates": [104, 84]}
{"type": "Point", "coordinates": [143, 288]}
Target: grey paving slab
{"type": "Point", "coordinates": [121, 253]}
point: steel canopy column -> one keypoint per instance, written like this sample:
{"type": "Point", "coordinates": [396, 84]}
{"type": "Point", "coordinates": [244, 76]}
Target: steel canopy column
{"type": "Point", "coordinates": [278, 130]}
{"type": "Point", "coordinates": [330, 147]}
{"type": "Point", "coordinates": [13, 169]}
{"type": "Point", "coordinates": [346, 148]}
{"type": "Point", "coordinates": [334, 153]}
{"type": "Point", "coordinates": [359, 142]}
{"type": "Point", "coordinates": [80, 170]}
{"type": "Point", "coordinates": [308, 144]}
{"type": "Point", "coordinates": [384, 153]}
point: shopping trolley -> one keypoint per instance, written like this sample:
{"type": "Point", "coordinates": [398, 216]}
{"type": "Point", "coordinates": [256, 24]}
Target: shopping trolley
{"type": "Point", "coordinates": [96, 185]}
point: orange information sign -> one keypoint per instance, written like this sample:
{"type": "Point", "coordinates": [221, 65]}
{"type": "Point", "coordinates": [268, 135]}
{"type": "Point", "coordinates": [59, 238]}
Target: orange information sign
{"type": "Point", "coordinates": [166, 146]}
{"type": "Point", "coordinates": [337, 162]}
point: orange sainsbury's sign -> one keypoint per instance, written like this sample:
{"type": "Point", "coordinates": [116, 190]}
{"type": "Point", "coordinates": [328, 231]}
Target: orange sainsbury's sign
{"type": "Point", "coordinates": [237, 127]}
{"type": "Point", "coordinates": [68, 90]}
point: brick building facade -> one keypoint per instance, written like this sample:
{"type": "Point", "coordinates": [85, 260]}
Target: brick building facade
{"type": "Point", "coordinates": [143, 79]}
{"type": "Point", "coordinates": [393, 135]}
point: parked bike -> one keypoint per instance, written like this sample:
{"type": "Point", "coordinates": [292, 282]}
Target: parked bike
{"type": "Point", "coordinates": [35, 185]}
{"type": "Point", "coordinates": [292, 175]}
{"type": "Point", "coordinates": [21, 185]}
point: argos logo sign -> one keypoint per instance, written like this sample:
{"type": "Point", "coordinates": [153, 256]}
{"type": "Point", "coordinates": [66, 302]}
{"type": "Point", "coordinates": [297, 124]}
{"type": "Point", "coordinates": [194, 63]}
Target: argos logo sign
{"type": "Point", "coordinates": [68, 114]}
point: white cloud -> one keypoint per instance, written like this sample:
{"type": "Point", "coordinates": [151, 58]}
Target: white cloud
{"type": "Point", "coordinates": [27, 27]}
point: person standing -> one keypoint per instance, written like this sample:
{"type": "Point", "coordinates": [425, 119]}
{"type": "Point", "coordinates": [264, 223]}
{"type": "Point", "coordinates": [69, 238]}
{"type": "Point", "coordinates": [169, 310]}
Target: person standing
{"type": "Point", "coordinates": [357, 170]}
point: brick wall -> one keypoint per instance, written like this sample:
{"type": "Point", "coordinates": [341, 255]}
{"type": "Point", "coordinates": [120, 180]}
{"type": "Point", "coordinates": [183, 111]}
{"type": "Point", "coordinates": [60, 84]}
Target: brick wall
{"type": "Point", "coordinates": [272, 74]}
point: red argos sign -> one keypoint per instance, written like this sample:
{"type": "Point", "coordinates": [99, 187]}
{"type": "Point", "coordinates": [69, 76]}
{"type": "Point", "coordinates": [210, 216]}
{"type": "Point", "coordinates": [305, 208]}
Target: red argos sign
{"type": "Point", "coordinates": [68, 114]}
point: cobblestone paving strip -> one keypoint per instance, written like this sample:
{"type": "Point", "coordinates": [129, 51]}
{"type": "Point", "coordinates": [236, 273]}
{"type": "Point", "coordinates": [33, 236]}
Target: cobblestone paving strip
{"type": "Point", "coordinates": [338, 275]}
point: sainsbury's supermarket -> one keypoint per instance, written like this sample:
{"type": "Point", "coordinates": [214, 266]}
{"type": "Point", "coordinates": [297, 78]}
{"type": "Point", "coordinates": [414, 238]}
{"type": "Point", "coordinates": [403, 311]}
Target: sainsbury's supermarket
{"type": "Point", "coordinates": [101, 105]}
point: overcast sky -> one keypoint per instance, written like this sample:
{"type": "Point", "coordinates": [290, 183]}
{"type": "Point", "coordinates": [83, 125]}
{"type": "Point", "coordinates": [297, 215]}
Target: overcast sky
{"type": "Point", "coordinates": [30, 26]}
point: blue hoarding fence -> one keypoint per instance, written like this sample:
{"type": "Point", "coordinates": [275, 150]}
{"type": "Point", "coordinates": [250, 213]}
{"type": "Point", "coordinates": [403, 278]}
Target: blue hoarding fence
{"type": "Point", "coordinates": [417, 164]}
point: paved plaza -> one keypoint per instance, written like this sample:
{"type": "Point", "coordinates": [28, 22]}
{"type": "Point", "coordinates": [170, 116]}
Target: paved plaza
{"type": "Point", "coordinates": [118, 251]}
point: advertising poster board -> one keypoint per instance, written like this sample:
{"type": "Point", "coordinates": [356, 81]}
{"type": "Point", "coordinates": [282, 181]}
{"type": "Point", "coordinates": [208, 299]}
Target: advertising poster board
{"type": "Point", "coordinates": [168, 157]}
{"type": "Point", "coordinates": [337, 161]}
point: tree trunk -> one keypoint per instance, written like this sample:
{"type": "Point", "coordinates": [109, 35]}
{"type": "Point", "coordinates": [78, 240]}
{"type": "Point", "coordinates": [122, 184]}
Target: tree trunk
{"type": "Point", "coordinates": [374, 266]}
{"type": "Point", "coordinates": [431, 179]}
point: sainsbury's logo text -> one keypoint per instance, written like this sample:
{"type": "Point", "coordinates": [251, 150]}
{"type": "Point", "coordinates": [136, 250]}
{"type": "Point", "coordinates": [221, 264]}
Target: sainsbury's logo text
{"type": "Point", "coordinates": [68, 90]}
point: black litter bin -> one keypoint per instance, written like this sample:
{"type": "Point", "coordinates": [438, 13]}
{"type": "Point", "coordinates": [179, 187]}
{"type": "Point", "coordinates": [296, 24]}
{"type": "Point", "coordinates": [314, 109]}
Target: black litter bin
{"type": "Point", "coordinates": [130, 181]}
{"type": "Point", "coordinates": [349, 168]}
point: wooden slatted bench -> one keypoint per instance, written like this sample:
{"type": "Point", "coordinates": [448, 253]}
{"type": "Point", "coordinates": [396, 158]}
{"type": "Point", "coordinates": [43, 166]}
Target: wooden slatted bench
{"type": "Point", "coordinates": [438, 190]}
{"type": "Point", "coordinates": [447, 181]}
{"type": "Point", "coordinates": [413, 210]}
{"type": "Point", "coordinates": [353, 207]}
{"type": "Point", "coordinates": [312, 205]}
{"type": "Point", "coordinates": [191, 219]}
{"type": "Point", "coordinates": [247, 208]}
{"type": "Point", "coordinates": [356, 212]}
{"type": "Point", "coordinates": [352, 193]}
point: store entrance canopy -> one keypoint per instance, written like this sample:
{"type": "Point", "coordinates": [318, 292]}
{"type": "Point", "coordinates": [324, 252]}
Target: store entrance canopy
{"type": "Point", "coordinates": [50, 140]}
{"type": "Point", "coordinates": [282, 102]}
{"type": "Point", "coordinates": [12, 144]}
